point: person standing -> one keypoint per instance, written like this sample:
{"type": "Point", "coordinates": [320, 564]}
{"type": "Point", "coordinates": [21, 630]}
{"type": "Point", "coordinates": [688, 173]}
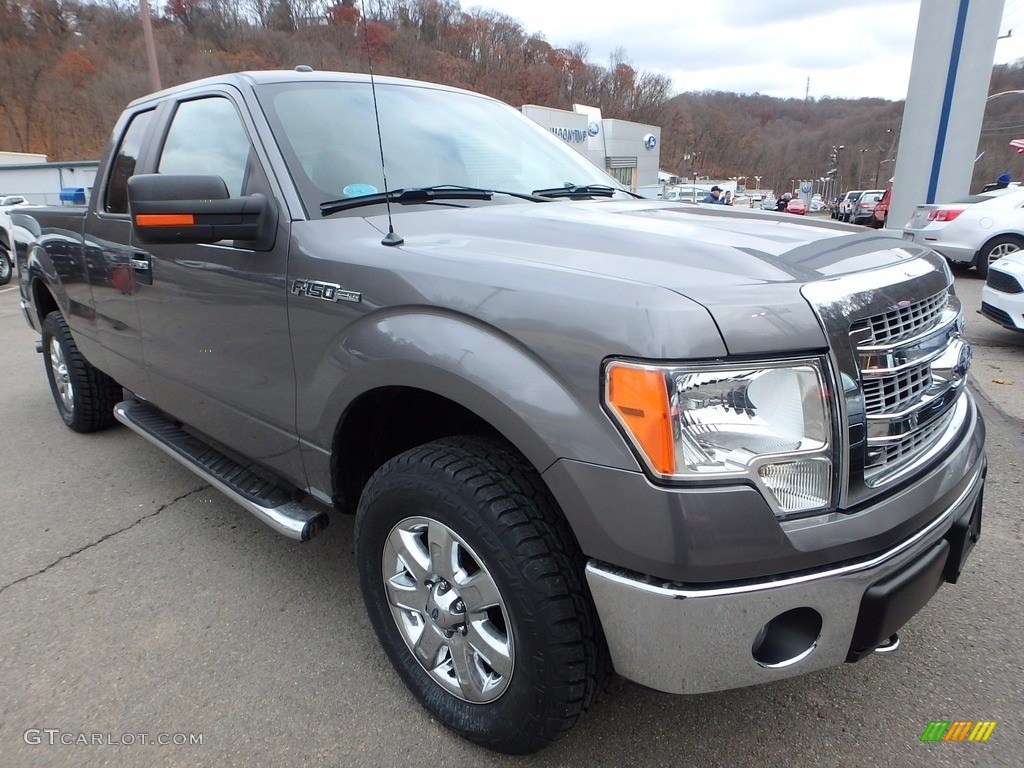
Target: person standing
{"type": "Point", "coordinates": [714, 196]}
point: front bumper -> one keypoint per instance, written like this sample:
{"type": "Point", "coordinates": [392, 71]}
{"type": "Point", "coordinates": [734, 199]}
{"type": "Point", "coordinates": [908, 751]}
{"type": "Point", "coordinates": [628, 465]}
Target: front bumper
{"type": "Point", "coordinates": [1007, 309]}
{"type": "Point", "coordinates": [683, 639]}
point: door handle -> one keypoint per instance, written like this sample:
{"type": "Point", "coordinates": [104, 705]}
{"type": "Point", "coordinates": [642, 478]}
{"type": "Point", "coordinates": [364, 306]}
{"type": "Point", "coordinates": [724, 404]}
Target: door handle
{"type": "Point", "coordinates": [142, 267]}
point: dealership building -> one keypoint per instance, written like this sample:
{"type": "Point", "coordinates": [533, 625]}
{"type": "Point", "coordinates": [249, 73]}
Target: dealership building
{"type": "Point", "coordinates": [627, 151]}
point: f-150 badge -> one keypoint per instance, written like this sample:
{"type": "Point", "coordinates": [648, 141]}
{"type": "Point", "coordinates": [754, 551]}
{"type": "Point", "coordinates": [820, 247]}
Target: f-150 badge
{"type": "Point", "coordinates": [327, 291]}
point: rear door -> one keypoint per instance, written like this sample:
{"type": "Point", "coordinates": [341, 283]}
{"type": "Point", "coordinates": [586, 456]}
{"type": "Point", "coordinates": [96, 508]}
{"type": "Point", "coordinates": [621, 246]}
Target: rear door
{"type": "Point", "coordinates": [108, 255]}
{"type": "Point", "coordinates": [214, 316]}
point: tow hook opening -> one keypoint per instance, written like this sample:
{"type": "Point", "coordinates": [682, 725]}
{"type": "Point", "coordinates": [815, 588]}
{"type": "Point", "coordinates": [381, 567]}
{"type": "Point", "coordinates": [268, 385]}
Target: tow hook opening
{"type": "Point", "coordinates": [890, 645]}
{"type": "Point", "coordinates": [787, 639]}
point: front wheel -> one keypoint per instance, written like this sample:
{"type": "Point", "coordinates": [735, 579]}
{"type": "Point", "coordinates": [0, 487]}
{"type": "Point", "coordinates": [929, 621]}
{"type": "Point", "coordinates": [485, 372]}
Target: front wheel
{"type": "Point", "coordinates": [6, 268]}
{"type": "Point", "coordinates": [994, 250]}
{"type": "Point", "coordinates": [475, 589]}
{"type": "Point", "coordinates": [85, 396]}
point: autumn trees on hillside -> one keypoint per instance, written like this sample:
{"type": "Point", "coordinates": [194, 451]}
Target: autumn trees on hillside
{"type": "Point", "coordinates": [67, 67]}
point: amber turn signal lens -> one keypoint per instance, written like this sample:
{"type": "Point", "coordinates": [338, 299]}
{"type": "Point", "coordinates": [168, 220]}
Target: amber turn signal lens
{"type": "Point", "coordinates": [165, 219]}
{"type": "Point", "coordinates": [639, 398]}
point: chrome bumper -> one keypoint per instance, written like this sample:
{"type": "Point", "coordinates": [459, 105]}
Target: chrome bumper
{"type": "Point", "coordinates": [695, 640]}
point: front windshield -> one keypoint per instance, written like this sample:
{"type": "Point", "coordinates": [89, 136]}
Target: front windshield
{"type": "Point", "coordinates": [431, 137]}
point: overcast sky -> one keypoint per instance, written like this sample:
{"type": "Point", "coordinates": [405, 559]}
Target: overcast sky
{"type": "Point", "coordinates": [849, 49]}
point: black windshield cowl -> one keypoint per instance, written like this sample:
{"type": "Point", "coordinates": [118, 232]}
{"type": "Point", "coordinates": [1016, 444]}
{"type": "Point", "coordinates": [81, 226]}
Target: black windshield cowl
{"type": "Point", "coordinates": [578, 191]}
{"type": "Point", "coordinates": [421, 195]}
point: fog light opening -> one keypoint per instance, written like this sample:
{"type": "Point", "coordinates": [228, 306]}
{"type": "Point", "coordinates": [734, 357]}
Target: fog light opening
{"type": "Point", "coordinates": [787, 639]}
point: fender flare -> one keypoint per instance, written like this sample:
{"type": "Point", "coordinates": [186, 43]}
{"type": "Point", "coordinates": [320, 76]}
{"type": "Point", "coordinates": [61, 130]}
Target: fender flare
{"type": "Point", "coordinates": [485, 370]}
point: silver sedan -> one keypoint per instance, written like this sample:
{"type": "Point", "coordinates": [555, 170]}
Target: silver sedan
{"type": "Point", "coordinates": [973, 231]}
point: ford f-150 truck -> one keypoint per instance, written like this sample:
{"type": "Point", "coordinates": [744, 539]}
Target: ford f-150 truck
{"type": "Point", "coordinates": [580, 431]}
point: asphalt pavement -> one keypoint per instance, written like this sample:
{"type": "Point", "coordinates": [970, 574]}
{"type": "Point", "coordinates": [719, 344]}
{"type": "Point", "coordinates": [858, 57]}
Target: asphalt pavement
{"type": "Point", "coordinates": [146, 620]}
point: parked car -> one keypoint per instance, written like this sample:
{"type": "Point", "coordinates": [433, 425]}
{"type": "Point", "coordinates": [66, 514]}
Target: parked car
{"type": "Point", "coordinates": [881, 214]}
{"type": "Point", "coordinates": [686, 193]}
{"type": "Point", "coordinates": [846, 204]}
{"type": "Point", "coordinates": [796, 205]}
{"type": "Point", "coordinates": [975, 230]}
{"type": "Point", "coordinates": [1002, 296]}
{"type": "Point", "coordinates": [769, 203]}
{"type": "Point", "coordinates": [7, 203]}
{"type": "Point", "coordinates": [863, 211]}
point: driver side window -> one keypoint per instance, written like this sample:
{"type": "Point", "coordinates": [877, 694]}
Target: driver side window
{"type": "Point", "coordinates": [207, 137]}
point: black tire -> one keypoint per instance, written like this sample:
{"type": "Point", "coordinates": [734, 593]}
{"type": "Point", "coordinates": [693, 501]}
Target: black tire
{"type": "Point", "coordinates": [995, 249]}
{"type": "Point", "coordinates": [506, 532]}
{"type": "Point", "coordinates": [6, 267]}
{"type": "Point", "coordinates": [84, 395]}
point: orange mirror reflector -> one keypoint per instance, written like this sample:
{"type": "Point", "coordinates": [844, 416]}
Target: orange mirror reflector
{"type": "Point", "coordinates": [165, 220]}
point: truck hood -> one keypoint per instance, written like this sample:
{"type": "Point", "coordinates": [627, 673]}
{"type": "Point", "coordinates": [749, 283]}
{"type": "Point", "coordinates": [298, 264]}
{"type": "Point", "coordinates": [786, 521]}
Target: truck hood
{"type": "Point", "coordinates": [745, 267]}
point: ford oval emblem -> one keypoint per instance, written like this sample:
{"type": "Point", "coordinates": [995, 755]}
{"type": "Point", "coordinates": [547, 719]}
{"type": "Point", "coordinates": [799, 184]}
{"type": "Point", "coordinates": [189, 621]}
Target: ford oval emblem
{"type": "Point", "coordinates": [963, 361]}
{"type": "Point", "coordinates": [650, 141]}
{"type": "Point", "coordinates": [594, 128]}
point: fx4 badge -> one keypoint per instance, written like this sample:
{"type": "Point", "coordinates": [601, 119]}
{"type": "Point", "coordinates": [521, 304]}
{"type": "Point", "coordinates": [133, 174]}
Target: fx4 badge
{"type": "Point", "coordinates": [327, 291]}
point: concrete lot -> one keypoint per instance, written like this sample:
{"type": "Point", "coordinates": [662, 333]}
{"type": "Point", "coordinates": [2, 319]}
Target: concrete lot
{"type": "Point", "coordinates": [136, 600]}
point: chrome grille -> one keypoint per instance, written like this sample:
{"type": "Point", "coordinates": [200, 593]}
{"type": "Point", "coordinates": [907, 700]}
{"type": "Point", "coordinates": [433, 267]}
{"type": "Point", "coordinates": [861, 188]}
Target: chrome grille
{"type": "Point", "coordinates": [909, 379]}
{"type": "Point", "coordinates": [881, 457]}
{"type": "Point", "coordinates": [895, 337]}
{"type": "Point", "coordinates": [902, 322]}
{"type": "Point", "coordinates": [893, 394]}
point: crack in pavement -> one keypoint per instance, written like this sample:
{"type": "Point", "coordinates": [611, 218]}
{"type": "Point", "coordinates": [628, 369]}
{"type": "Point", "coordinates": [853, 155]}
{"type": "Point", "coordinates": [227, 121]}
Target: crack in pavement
{"type": "Point", "coordinates": [103, 538]}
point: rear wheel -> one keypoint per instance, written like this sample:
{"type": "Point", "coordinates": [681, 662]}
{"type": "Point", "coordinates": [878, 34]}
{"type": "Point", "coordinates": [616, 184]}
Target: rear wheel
{"type": "Point", "coordinates": [84, 395]}
{"type": "Point", "coordinates": [994, 250]}
{"type": "Point", "coordinates": [475, 589]}
{"type": "Point", "coordinates": [6, 268]}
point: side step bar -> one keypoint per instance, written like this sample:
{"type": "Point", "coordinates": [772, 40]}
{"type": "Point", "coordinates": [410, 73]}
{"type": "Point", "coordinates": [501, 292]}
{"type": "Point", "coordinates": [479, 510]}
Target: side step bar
{"type": "Point", "coordinates": [269, 502]}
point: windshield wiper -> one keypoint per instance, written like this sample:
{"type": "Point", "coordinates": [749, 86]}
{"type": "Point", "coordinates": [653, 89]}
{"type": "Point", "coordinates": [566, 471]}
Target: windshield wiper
{"type": "Point", "coordinates": [572, 190]}
{"type": "Point", "coordinates": [420, 195]}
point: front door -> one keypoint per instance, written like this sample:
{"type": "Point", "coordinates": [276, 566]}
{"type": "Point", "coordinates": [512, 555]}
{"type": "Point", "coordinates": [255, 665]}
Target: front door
{"type": "Point", "coordinates": [214, 316]}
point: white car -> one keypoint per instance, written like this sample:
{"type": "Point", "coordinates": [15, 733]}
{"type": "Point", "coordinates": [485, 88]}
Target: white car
{"type": "Point", "coordinates": [7, 204]}
{"type": "Point", "coordinates": [846, 204]}
{"type": "Point", "coordinates": [1002, 296]}
{"type": "Point", "coordinates": [975, 230]}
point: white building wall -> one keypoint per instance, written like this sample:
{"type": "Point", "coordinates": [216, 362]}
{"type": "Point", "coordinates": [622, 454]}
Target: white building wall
{"type": "Point", "coordinates": [20, 158]}
{"type": "Point", "coordinates": [642, 142]}
{"type": "Point", "coordinates": [600, 140]}
{"type": "Point", "coordinates": [42, 183]}
{"type": "Point", "coordinates": [570, 127]}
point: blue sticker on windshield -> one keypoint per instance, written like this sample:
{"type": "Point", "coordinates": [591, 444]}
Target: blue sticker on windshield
{"type": "Point", "coordinates": [359, 190]}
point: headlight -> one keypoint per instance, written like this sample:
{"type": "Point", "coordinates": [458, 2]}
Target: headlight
{"type": "Point", "coordinates": [769, 422]}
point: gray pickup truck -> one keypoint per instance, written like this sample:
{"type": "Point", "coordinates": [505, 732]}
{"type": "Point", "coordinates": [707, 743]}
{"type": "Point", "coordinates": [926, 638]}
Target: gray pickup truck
{"type": "Point", "coordinates": [579, 431]}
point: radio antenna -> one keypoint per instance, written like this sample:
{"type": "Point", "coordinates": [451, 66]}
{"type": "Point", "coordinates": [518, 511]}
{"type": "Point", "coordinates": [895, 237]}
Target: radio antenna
{"type": "Point", "coordinates": [391, 238]}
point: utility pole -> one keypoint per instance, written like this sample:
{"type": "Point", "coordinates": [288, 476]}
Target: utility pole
{"type": "Point", "coordinates": [807, 90]}
{"type": "Point", "coordinates": [147, 34]}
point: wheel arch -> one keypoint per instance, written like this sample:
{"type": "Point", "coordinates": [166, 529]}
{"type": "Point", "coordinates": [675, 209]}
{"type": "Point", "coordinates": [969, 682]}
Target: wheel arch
{"type": "Point", "coordinates": [1009, 233]}
{"type": "Point", "coordinates": [416, 378]}
{"type": "Point", "coordinates": [386, 421]}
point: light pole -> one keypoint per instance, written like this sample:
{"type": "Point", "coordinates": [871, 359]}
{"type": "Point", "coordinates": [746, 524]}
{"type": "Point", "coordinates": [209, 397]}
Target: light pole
{"type": "Point", "coordinates": [147, 34]}
{"type": "Point", "coordinates": [839, 169]}
{"type": "Point", "coordinates": [860, 169]}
